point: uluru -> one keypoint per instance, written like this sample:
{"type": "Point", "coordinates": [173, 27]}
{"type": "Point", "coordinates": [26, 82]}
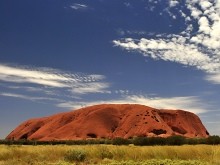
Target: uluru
{"type": "Point", "coordinates": [110, 121]}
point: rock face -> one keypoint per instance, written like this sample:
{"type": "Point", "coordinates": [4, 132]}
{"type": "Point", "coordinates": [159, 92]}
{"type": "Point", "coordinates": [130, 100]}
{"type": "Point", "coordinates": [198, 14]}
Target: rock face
{"type": "Point", "coordinates": [110, 121]}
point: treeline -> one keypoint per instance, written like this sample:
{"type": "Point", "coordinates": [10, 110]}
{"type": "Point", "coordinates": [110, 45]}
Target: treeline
{"type": "Point", "coordinates": [138, 141]}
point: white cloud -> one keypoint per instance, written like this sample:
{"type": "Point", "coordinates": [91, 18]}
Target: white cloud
{"type": "Point", "coordinates": [93, 87]}
{"type": "Point", "coordinates": [190, 103]}
{"type": "Point", "coordinates": [122, 32]}
{"type": "Point", "coordinates": [31, 98]}
{"type": "Point", "coordinates": [205, 5]}
{"type": "Point", "coordinates": [122, 92]}
{"type": "Point", "coordinates": [195, 12]}
{"type": "Point", "coordinates": [200, 49]}
{"type": "Point", "coordinates": [14, 74]}
{"type": "Point", "coordinates": [218, 5]}
{"type": "Point", "coordinates": [170, 50]}
{"type": "Point", "coordinates": [78, 83]}
{"type": "Point", "coordinates": [214, 78]}
{"type": "Point", "coordinates": [173, 3]}
{"type": "Point", "coordinates": [15, 95]}
{"type": "Point", "coordinates": [209, 24]}
{"type": "Point", "coordinates": [204, 26]}
{"type": "Point", "coordinates": [77, 6]}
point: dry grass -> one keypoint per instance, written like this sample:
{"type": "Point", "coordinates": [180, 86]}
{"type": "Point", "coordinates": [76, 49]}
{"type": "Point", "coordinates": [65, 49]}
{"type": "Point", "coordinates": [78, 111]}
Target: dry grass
{"type": "Point", "coordinates": [108, 154]}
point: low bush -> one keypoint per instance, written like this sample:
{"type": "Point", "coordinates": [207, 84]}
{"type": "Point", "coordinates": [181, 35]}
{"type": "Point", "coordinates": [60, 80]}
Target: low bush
{"type": "Point", "coordinates": [75, 155]}
{"type": "Point", "coordinates": [120, 141]}
{"type": "Point", "coordinates": [175, 140]}
{"type": "Point", "coordinates": [140, 141]}
{"type": "Point", "coordinates": [104, 152]}
{"type": "Point", "coordinates": [213, 140]}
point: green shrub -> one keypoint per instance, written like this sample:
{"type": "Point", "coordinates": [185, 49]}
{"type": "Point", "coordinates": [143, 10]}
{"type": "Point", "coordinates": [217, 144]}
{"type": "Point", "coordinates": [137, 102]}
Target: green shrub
{"type": "Point", "coordinates": [213, 140]}
{"type": "Point", "coordinates": [156, 141]}
{"type": "Point", "coordinates": [175, 140]}
{"type": "Point", "coordinates": [75, 155]}
{"type": "Point", "coordinates": [140, 141]}
{"type": "Point", "coordinates": [120, 141]}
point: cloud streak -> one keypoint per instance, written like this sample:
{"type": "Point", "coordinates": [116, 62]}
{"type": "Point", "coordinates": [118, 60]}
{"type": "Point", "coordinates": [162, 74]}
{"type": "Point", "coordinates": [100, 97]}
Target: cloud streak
{"type": "Point", "coordinates": [77, 6]}
{"type": "Point", "coordinates": [77, 83]}
{"type": "Point", "coordinates": [189, 103]}
{"type": "Point", "coordinates": [48, 85]}
{"type": "Point", "coordinates": [31, 98]}
{"type": "Point", "coordinates": [197, 48]}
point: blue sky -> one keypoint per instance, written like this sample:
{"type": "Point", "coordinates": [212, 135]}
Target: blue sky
{"type": "Point", "coordinates": [59, 55]}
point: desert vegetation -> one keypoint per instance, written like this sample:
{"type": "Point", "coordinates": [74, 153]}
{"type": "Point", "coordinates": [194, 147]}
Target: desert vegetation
{"type": "Point", "coordinates": [139, 141]}
{"type": "Point", "coordinates": [109, 154]}
{"type": "Point", "coordinates": [173, 150]}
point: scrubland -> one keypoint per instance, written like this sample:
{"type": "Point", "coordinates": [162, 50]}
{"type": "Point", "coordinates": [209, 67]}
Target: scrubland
{"type": "Point", "coordinates": [109, 154]}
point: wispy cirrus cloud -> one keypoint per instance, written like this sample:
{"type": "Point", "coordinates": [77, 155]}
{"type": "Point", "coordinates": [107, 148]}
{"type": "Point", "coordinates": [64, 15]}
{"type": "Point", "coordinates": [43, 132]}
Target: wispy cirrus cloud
{"type": "Point", "coordinates": [92, 87]}
{"type": "Point", "coordinates": [189, 103]}
{"type": "Point", "coordinates": [77, 6]}
{"type": "Point", "coordinates": [122, 32]}
{"type": "Point", "coordinates": [66, 86]}
{"type": "Point", "coordinates": [197, 46]}
{"type": "Point", "coordinates": [54, 78]}
{"type": "Point", "coordinates": [31, 98]}
{"type": "Point", "coordinates": [48, 85]}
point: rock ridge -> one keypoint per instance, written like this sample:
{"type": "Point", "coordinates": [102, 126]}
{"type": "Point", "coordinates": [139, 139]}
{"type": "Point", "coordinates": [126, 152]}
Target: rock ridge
{"type": "Point", "coordinates": [110, 121]}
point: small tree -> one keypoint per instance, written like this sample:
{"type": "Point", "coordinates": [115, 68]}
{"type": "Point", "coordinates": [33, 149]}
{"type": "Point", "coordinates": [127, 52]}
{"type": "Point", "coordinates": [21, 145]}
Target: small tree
{"type": "Point", "coordinates": [176, 140]}
{"type": "Point", "coordinates": [213, 139]}
{"type": "Point", "coordinates": [140, 141]}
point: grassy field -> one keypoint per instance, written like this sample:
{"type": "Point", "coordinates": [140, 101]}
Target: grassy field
{"type": "Point", "coordinates": [108, 154]}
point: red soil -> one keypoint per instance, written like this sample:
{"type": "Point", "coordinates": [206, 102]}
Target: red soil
{"type": "Point", "coordinates": [110, 121]}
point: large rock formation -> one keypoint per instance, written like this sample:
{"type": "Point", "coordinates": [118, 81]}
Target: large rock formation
{"type": "Point", "coordinates": [109, 121]}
